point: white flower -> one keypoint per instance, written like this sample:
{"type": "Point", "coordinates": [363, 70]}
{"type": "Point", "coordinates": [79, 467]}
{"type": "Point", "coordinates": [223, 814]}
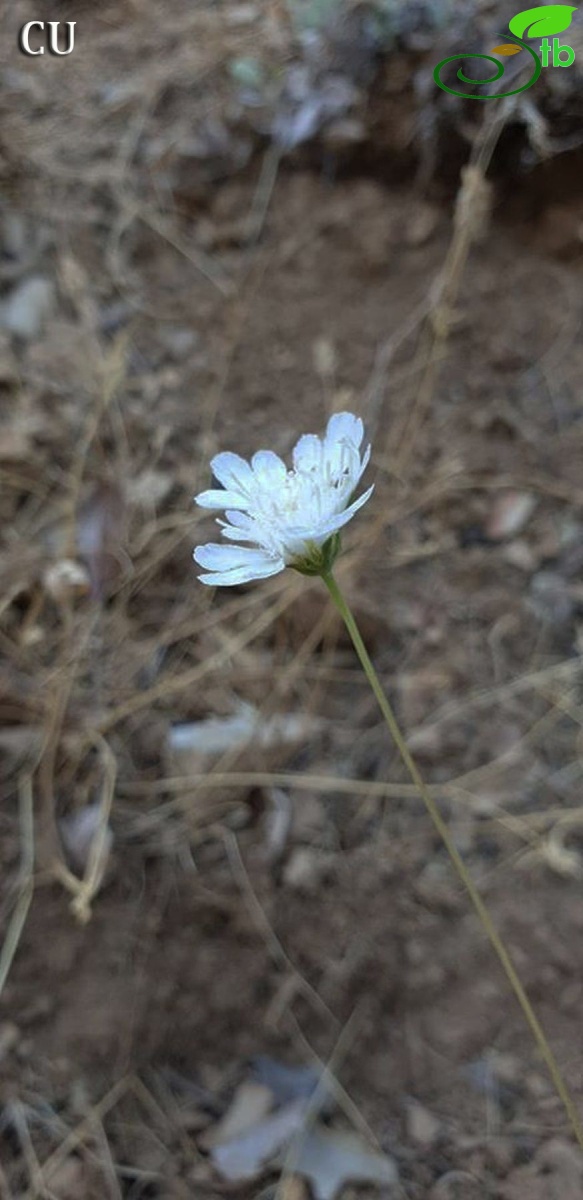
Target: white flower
{"type": "Point", "coordinates": [284, 517]}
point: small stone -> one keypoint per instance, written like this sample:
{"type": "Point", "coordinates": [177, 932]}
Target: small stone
{"type": "Point", "coordinates": [293, 1188]}
{"type": "Point", "coordinates": [178, 340]}
{"type": "Point", "coordinates": [68, 1181]}
{"type": "Point", "coordinates": [565, 1161]}
{"type": "Point", "coordinates": [420, 691]}
{"type": "Point", "coordinates": [501, 1154]}
{"type": "Point", "coordinates": [561, 230]}
{"type": "Point", "coordinates": [457, 1185]}
{"type": "Point", "coordinates": [422, 225]}
{"type": "Point", "coordinates": [78, 831]}
{"type": "Point", "coordinates": [241, 14]}
{"type": "Point", "coordinates": [67, 579]}
{"type": "Point", "coordinates": [437, 891]}
{"type": "Point", "coordinates": [28, 307]}
{"type": "Point", "coordinates": [307, 869]}
{"type": "Point", "coordinates": [509, 514]}
{"type": "Point", "coordinates": [344, 134]}
{"type": "Point", "coordinates": [308, 819]}
{"type": "Point", "coordinates": [426, 742]}
{"type": "Point", "coordinates": [550, 598]}
{"type": "Point", "coordinates": [325, 357]}
{"type": "Point", "coordinates": [524, 1184]}
{"type": "Point", "coordinates": [422, 1126]}
{"type": "Point", "coordinates": [150, 488]}
{"type": "Point", "coordinates": [519, 554]}
{"type": "Point", "coordinates": [9, 1037]}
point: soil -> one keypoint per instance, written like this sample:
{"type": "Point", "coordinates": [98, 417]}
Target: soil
{"type": "Point", "coordinates": [170, 335]}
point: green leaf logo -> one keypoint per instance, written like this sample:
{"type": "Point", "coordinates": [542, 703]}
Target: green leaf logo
{"type": "Point", "coordinates": [544, 21]}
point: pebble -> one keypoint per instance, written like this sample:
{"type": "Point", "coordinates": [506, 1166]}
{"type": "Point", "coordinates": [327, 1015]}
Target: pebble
{"type": "Point", "coordinates": [437, 890]}
{"type": "Point", "coordinates": [510, 512]}
{"type": "Point", "coordinates": [241, 14]}
{"type": "Point", "coordinates": [66, 579]}
{"type": "Point", "coordinates": [519, 554]}
{"type": "Point", "coordinates": [9, 1037]}
{"type": "Point", "coordinates": [68, 1180]}
{"type": "Point", "coordinates": [501, 1153]}
{"type": "Point", "coordinates": [178, 340]}
{"type": "Point", "coordinates": [28, 307]}
{"type": "Point", "coordinates": [550, 598]}
{"type": "Point", "coordinates": [422, 225]}
{"type": "Point", "coordinates": [457, 1185]}
{"type": "Point", "coordinates": [307, 869]}
{"type": "Point", "coordinates": [423, 1127]}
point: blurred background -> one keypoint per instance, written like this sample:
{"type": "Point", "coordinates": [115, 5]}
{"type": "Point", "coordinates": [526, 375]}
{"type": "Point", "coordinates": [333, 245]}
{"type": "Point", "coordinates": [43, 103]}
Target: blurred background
{"type": "Point", "coordinates": [220, 223]}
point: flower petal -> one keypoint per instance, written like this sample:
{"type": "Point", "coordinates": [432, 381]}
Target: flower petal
{"type": "Point", "coordinates": [240, 527]}
{"type": "Point", "coordinates": [334, 523]}
{"type": "Point", "coordinates": [307, 453]}
{"type": "Point", "coordinates": [241, 575]}
{"type": "Point", "coordinates": [364, 463]}
{"type": "Point", "coordinates": [344, 427]}
{"type": "Point", "coordinates": [232, 471]}
{"type": "Point", "coordinates": [268, 469]}
{"type": "Point", "coordinates": [231, 565]}
{"type": "Point", "coordinates": [216, 498]}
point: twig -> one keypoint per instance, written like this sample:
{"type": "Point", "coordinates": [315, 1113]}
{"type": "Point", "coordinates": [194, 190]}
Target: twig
{"type": "Point", "coordinates": [25, 882]}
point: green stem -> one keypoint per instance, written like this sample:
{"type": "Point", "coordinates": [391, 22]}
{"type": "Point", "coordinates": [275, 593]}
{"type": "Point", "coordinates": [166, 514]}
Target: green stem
{"type": "Point", "coordinates": [457, 860]}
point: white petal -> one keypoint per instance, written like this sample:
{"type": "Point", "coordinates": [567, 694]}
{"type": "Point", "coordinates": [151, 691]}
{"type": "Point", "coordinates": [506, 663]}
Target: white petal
{"type": "Point", "coordinates": [232, 471]}
{"type": "Point", "coordinates": [234, 533]}
{"type": "Point", "coordinates": [268, 469]}
{"type": "Point", "coordinates": [239, 525]}
{"type": "Point", "coordinates": [333, 524]}
{"type": "Point", "coordinates": [217, 557]}
{"type": "Point", "coordinates": [344, 427]}
{"type": "Point", "coordinates": [307, 453]}
{"type": "Point", "coordinates": [231, 565]}
{"type": "Point", "coordinates": [241, 575]}
{"type": "Point", "coordinates": [216, 498]}
{"type": "Point", "coordinates": [364, 463]}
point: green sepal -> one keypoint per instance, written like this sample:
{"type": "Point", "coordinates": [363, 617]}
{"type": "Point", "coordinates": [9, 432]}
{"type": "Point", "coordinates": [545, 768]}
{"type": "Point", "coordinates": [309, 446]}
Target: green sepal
{"type": "Point", "coordinates": [318, 560]}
